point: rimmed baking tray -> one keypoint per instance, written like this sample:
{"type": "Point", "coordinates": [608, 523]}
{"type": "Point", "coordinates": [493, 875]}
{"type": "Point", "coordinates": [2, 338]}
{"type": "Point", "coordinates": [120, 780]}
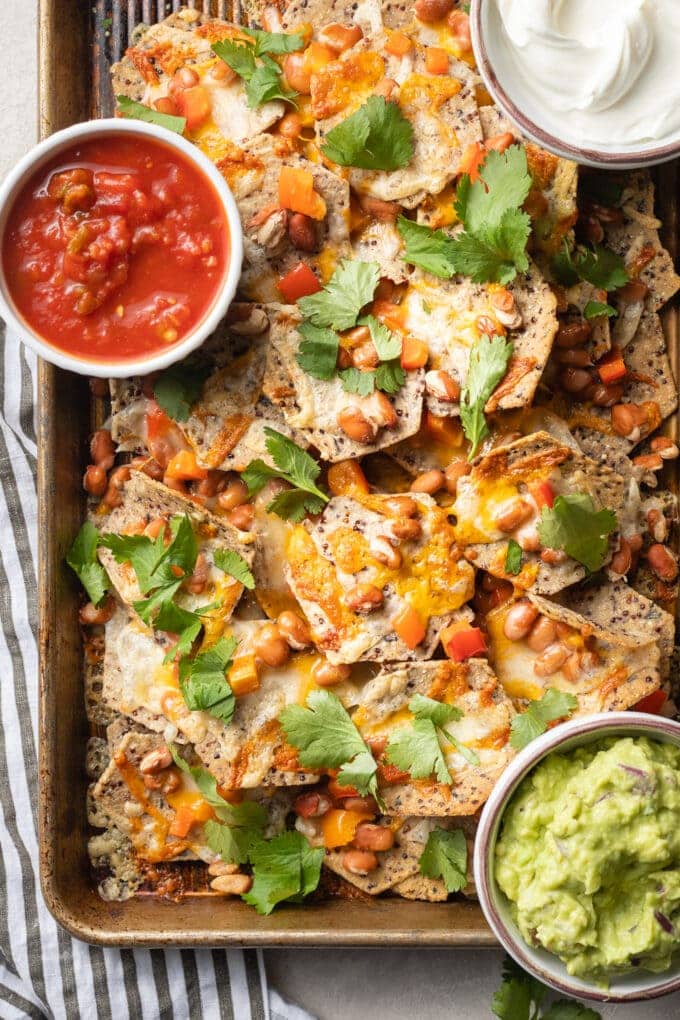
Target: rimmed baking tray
{"type": "Point", "coordinates": [77, 42]}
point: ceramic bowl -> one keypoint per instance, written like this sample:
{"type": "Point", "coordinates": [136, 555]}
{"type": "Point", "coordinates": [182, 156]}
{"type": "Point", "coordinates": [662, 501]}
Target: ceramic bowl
{"type": "Point", "coordinates": [542, 964]}
{"type": "Point", "coordinates": [43, 153]}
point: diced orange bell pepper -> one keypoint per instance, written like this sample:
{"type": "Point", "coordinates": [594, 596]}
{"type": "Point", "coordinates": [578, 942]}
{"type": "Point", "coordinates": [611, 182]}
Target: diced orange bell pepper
{"type": "Point", "coordinates": [543, 493]}
{"type": "Point", "coordinates": [463, 643]}
{"type": "Point", "coordinates": [612, 367]}
{"type": "Point", "coordinates": [296, 192]}
{"type": "Point", "coordinates": [183, 822]}
{"type": "Point", "coordinates": [499, 143]}
{"type": "Point", "coordinates": [243, 675]}
{"type": "Point", "coordinates": [347, 479]}
{"type": "Point", "coordinates": [414, 353]}
{"type": "Point", "coordinates": [409, 627]}
{"type": "Point", "coordinates": [436, 60]}
{"type": "Point", "coordinates": [194, 104]}
{"type": "Point", "coordinates": [471, 160]}
{"type": "Point", "coordinates": [300, 281]}
{"type": "Point", "coordinates": [389, 313]}
{"type": "Point", "coordinates": [447, 430]}
{"type": "Point", "coordinates": [317, 56]}
{"type": "Point", "coordinates": [183, 467]}
{"type": "Point", "coordinates": [398, 44]}
{"type": "Point", "coordinates": [653, 703]}
{"type": "Point", "coordinates": [338, 826]}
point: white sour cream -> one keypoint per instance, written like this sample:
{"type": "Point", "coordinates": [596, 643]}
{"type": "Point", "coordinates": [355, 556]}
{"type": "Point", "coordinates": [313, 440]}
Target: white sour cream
{"type": "Point", "coordinates": [605, 73]}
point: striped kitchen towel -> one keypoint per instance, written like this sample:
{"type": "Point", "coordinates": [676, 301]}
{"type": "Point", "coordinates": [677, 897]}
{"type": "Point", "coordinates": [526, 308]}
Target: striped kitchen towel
{"type": "Point", "coordinates": [43, 971]}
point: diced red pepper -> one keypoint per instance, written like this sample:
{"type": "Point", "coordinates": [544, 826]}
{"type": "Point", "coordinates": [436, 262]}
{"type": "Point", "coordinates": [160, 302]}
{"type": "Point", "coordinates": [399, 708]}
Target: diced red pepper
{"type": "Point", "coordinates": [543, 494]}
{"type": "Point", "coordinates": [612, 367]}
{"type": "Point", "coordinates": [298, 282]}
{"type": "Point", "coordinates": [463, 644]}
{"type": "Point", "coordinates": [653, 703]}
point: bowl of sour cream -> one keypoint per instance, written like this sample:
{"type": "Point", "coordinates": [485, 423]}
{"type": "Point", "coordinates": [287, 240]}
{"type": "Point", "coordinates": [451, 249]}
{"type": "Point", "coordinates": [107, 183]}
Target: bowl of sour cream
{"type": "Point", "coordinates": [593, 82]}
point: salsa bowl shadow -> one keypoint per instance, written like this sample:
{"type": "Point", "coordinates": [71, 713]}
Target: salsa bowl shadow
{"type": "Point", "coordinates": [542, 964]}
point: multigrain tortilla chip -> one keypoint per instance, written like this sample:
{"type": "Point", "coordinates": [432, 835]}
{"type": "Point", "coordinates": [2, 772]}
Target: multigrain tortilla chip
{"type": "Point", "coordinates": [329, 558]}
{"type": "Point", "coordinates": [382, 708]}
{"type": "Point", "coordinates": [318, 13]}
{"type": "Point", "coordinates": [502, 474]}
{"type": "Point", "coordinates": [625, 667]}
{"type": "Point", "coordinates": [311, 406]}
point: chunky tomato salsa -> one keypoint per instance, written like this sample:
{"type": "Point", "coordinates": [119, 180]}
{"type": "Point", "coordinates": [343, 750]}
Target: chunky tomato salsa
{"type": "Point", "coordinates": [116, 249]}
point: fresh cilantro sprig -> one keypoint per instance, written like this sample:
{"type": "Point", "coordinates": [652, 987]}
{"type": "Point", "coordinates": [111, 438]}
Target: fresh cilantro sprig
{"type": "Point", "coordinates": [553, 705]}
{"type": "Point", "coordinates": [179, 387]}
{"type": "Point", "coordinates": [285, 869]}
{"type": "Point", "coordinates": [260, 72]}
{"type": "Point", "coordinates": [204, 683]}
{"type": "Point", "coordinates": [338, 305]}
{"type": "Point", "coordinates": [513, 557]}
{"type": "Point", "coordinates": [574, 526]}
{"type": "Point", "coordinates": [376, 137]}
{"type": "Point", "coordinates": [488, 364]}
{"type": "Point", "coordinates": [416, 749]}
{"type": "Point", "coordinates": [445, 857]}
{"type": "Point", "coordinates": [326, 738]}
{"type": "Point", "coordinates": [521, 997]}
{"type": "Point", "coordinates": [294, 466]}
{"type": "Point", "coordinates": [232, 563]}
{"type": "Point", "coordinates": [430, 250]}
{"type": "Point", "coordinates": [82, 558]}
{"type": "Point", "coordinates": [599, 266]}
{"type": "Point", "coordinates": [137, 111]}
{"type": "Point", "coordinates": [318, 352]}
{"type": "Point", "coordinates": [595, 309]}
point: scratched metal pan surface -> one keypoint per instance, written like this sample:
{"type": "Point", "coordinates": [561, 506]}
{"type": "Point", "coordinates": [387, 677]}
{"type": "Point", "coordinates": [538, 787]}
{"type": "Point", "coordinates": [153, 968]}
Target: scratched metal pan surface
{"type": "Point", "coordinates": [78, 40]}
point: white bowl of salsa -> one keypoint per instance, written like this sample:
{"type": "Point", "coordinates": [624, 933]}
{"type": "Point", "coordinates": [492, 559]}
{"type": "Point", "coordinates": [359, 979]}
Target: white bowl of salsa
{"type": "Point", "coordinates": [121, 248]}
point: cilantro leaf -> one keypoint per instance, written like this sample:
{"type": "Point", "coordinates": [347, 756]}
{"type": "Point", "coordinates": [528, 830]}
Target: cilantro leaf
{"type": "Point", "coordinates": [390, 376]}
{"type": "Point", "coordinates": [573, 525]}
{"type": "Point", "coordinates": [376, 137]}
{"type": "Point", "coordinates": [445, 856]}
{"type": "Point", "coordinates": [534, 720]}
{"type": "Point", "coordinates": [488, 364]}
{"type": "Point", "coordinates": [248, 813]}
{"type": "Point", "coordinates": [152, 560]}
{"type": "Point", "coordinates": [275, 42]}
{"type": "Point", "coordinates": [262, 80]}
{"type": "Point", "coordinates": [318, 352]}
{"type": "Point", "coordinates": [594, 309]}
{"type": "Point", "coordinates": [137, 111]}
{"type": "Point", "coordinates": [567, 1009]}
{"type": "Point", "coordinates": [293, 465]}
{"type": "Point", "coordinates": [519, 996]}
{"type": "Point", "coordinates": [326, 737]}
{"type": "Point", "coordinates": [441, 714]}
{"type": "Point", "coordinates": [492, 245]}
{"type": "Point", "coordinates": [415, 749]}
{"type": "Point", "coordinates": [232, 843]}
{"type": "Point", "coordinates": [203, 682]}
{"type": "Point", "coordinates": [232, 563]}
{"type": "Point", "coordinates": [265, 85]}
{"type": "Point", "coordinates": [338, 305]}
{"type": "Point", "coordinates": [284, 868]}
{"type": "Point", "coordinates": [172, 619]}
{"type": "Point", "coordinates": [599, 266]}
{"type": "Point", "coordinates": [513, 557]}
{"type": "Point", "coordinates": [238, 54]}
{"type": "Point", "coordinates": [355, 381]}
{"type": "Point", "coordinates": [82, 558]}
{"type": "Point", "coordinates": [179, 387]}
{"type": "Point", "coordinates": [426, 248]}
{"type": "Point", "coordinates": [387, 344]}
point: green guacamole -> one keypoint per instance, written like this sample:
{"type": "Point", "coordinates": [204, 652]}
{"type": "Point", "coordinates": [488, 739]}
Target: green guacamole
{"type": "Point", "coordinates": [589, 856]}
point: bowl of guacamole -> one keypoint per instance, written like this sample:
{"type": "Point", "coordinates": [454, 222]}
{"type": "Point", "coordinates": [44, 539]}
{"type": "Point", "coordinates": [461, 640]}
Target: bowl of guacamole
{"type": "Point", "coordinates": [577, 857]}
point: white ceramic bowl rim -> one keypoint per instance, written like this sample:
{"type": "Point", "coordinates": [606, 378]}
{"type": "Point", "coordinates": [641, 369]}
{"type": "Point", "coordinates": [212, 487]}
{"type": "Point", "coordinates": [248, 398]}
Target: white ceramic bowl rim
{"type": "Point", "coordinates": [644, 155]}
{"type": "Point", "coordinates": [49, 148]}
{"type": "Point", "coordinates": [575, 732]}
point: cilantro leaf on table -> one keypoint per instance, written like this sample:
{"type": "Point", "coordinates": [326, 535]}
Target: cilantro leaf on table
{"type": "Point", "coordinates": [293, 465]}
{"type": "Point", "coordinates": [594, 309]}
{"type": "Point", "coordinates": [513, 557]}
{"type": "Point", "coordinates": [426, 248]}
{"type": "Point", "coordinates": [574, 526]}
{"type": "Point", "coordinates": [138, 111]}
{"type": "Point", "coordinates": [263, 80]}
{"type": "Point", "coordinates": [599, 266]}
{"type": "Point", "coordinates": [445, 857]}
{"type": "Point", "coordinates": [285, 868]}
{"type": "Point", "coordinates": [203, 680]}
{"type": "Point", "coordinates": [232, 563]}
{"type": "Point", "coordinates": [178, 388]}
{"type": "Point", "coordinates": [275, 42]}
{"type": "Point", "coordinates": [488, 364]}
{"type": "Point", "coordinates": [567, 1009]}
{"type": "Point", "coordinates": [521, 996]}
{"type": "Point", "coordinates": [82, 558]}
{"type": "Point", "coordinates": [338, 304]}
{"type": "Point", "coordinates": [376, 137]}
{"type": "Point", "coordinates": [318, 352]}
{"type": "Point", "coordinates": [326, 737]}
{"type": "Point", "coordinates": [553, 705]}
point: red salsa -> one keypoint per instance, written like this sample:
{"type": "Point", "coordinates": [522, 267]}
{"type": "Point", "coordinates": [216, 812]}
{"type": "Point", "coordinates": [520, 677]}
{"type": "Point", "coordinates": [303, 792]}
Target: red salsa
{"type": "Point", "coordinates": [116, 249]}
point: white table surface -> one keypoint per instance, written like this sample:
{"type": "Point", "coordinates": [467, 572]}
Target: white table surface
{"type": "Point", "coordinates": [340, 984]}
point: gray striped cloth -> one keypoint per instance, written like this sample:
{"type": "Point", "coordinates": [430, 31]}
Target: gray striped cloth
{"type": "Point", "coordinates": [43, 971]}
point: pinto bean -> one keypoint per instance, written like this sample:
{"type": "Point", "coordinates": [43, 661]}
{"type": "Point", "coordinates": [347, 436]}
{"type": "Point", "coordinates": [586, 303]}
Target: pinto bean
{"type": "Point", "coordinates": [242, 516]}
{"type": "Point", "coordinates": [311, 805]}
{"type": "Point", "coordinates": [406, 530]}
{"type": "Point", "coordinates": [429, 482]}
{"type": "Point", "coordinates": [551, 660]}
{"type": "Point", "coordinates": [662, 562]}
{"type": "Point", "coordinates": [401, 506]}
{"type": "Point", "coordinates": [542, 634]}
{"type": "Point", "coordinates": [364, 598]}
{"type": "Point", "coordinates": [382, 550]}
{"type": "Point", "coordinates": [519, 621]}
{"type": "Point", "coordinates": [95, 481]}
{"type": "Point", "coordinates": [356, 425]}
{"type": "Point", "coordinates": [92, 615]}
{"type": "Point", "coordinates": [573, 334]}
{"type": "Point", "coordinates": [575, 380]}
{"type": "Point", "coordinates": [456, 470]}
{"type": "Point", "coordinates": [373, 837]}
{"type": "Point", "coordinates": [327, 674]}
{"type": "Point", "coordinates": [294, 629]}
{"type": "Point", "coordinates": [441, 385]}
{"type": "Point", "coordinates": [302, 232]}
{"type": "Point", "coordinates": [155, 761]}
{"type": "Point", "coordinates": [383, 212]}
{"type": "Point", "coordinates": [360, 862]}
{"type": "Point", "coordinates": [432, 10]}
{"type": "Point", "coordinates": [513, 514]}
{"type": "Point", "coordinates": [340, 37]}
{"type": "Point", "coordinates": [102, 450]}
{"type": "Point", "coordinates": [271, 647]}
{"type": "Point", "coordinates": [232, 885]}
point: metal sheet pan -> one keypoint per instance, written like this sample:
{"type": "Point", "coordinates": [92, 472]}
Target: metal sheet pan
{"type": "Point", "coordinates": [77, 41]}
